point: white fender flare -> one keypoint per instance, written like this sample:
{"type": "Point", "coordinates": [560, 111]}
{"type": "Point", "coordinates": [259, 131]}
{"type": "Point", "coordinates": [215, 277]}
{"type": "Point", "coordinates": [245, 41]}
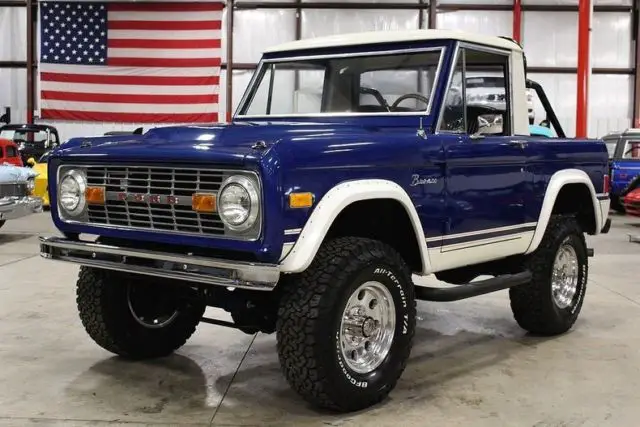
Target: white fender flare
{"type": "Point", "coordinates": [334, 202]}
{"type": "Point", "coordinates": [557, 181]}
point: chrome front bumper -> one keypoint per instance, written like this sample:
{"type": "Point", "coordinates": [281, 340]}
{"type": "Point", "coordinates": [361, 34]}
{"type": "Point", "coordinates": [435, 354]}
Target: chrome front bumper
{"type": "Point", "coordinates": [202, 270]}
{"type": "Point", "coordinates": [17, 207]}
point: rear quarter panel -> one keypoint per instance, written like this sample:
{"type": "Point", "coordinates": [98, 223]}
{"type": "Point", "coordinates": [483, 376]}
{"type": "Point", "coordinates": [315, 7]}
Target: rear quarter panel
{"type": "Point", "coordinates": [549, 155]}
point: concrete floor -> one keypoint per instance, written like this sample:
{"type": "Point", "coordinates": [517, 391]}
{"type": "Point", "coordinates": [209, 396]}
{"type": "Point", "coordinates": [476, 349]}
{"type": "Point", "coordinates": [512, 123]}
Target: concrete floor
{"type": "Point", "coordinates": [471, 364]}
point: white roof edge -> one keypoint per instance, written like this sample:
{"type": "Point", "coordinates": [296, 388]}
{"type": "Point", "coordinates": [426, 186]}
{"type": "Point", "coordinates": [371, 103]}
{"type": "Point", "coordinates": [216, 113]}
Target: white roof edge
{"type": "Point", "coordinates": [392, 36]}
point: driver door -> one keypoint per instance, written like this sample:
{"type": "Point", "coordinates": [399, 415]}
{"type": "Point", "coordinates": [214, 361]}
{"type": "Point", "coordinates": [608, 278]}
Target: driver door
{"type": "Point", "coordinates": [485, 164]}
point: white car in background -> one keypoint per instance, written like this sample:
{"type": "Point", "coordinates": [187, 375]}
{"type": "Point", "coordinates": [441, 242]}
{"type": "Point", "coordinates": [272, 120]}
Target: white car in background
{"type": "Point", "coordinates": [489, 90]}
{"type": "Point", "coordinates": [16, 185]}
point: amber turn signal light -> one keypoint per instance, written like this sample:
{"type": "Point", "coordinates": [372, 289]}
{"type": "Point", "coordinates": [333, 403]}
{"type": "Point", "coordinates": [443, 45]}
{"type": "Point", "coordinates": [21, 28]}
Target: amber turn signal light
{"type": "Point", "coordinates": [203, 202]}
{"type": "Point", "coordinates": [300, 200]}
{"type": "Point", "coordinates": [95, 195]}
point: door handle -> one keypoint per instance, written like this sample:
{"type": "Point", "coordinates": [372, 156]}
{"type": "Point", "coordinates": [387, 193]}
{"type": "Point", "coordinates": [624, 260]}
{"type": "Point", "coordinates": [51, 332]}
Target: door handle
{"type": "Point", "coordinates": [521, 144]}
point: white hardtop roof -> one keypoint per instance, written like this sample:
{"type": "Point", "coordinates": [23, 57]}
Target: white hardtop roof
{"type": "Point", "coordinates": [389, 36]}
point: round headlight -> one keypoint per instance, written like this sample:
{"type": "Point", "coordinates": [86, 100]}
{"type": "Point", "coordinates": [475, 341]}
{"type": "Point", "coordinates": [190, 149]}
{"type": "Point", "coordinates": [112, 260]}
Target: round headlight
{"type": "Point", "coordinates": [31, 185]}
{"type": "Point", "coordinates": [238, 203]}
{"type": "Point", "coordinates": [71, 192]}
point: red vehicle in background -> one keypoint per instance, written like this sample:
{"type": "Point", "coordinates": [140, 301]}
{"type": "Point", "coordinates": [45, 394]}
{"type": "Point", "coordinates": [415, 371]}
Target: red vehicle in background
{"type": "Point", "coordinates": [9, 153]}
{"type": "Point", "coordinates": [631, 202]}
{"type": "Point", "coordinates": [630, 197]}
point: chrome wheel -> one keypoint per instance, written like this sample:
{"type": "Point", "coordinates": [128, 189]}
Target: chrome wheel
{"type": "Point", "coordinates": [564, 277]}
{"type": "Point", "coordinates": [367, 327]}
{"type": "Point", "coordinates": [151, 309]}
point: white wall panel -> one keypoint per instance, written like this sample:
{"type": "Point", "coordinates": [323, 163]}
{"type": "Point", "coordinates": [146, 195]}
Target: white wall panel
{"type": "Point", "coordinates": [325, 22]}
{"type": "Point", "coordinates": [575, 2]}
{"type": "Point", "coordinates": [610, 100]}
{"type": "Point", "coordinates": [550, 39]}
{"type": "Point", "coordinates": [496, 23]}
{"type": "Point", "coordinates": [256, 30]}
{"type": "Point", "coordinates": [360, 1]}
{"type": "Point", "coordinates": [610, 103]}
{"type": "Point", "coordinates": [13, 92]}
{"type": "Point", "coordinates": [500, 2]}
{"type": "Point", "coordinates": [13, 34]}
{"type": "Point", "coordinates": [611, 39]}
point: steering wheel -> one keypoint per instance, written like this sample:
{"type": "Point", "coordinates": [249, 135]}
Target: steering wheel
{"type": "Point", "coordinates": [417, 96]}
{"type": "Point", "coordinates": [376, 94]}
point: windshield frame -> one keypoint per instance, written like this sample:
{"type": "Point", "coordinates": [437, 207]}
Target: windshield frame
{"type": "Point", "coordinates": [263, 65]}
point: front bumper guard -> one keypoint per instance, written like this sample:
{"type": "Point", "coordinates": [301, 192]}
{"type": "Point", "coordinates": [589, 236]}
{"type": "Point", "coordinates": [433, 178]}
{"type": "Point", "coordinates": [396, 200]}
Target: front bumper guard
{"type": "Point", "coordinates": [18, 207]}
{"type": "Point", "coordinates": [201, 270]}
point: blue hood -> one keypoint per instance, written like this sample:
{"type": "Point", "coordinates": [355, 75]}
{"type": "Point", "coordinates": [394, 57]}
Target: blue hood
{"type": "Point", "coordinates": [232, 144]}
{"type": "Point", "coordinates": [223, 143]}
{"type": "Point", "coordinates": [228, 144]}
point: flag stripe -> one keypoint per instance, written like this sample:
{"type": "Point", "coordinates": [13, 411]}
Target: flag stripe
{"type": "Point", "coordinates": [154, 15]}
{"type": "Point", "coordinates": [165, 25]}
{"type": "Point", "coordinates": [141, 89]}
{"type": "Point", "coordinates": [129, 98]}
{"type": "Point", "coordinates": [166, 7]}
{"type": "Point", "coordinates": [119, 107]}
{"type": "Point", "coordinates": [165, 62]}
{"type": "Point", "coordinates": [84, 115]}
{"type": "Point", "coordinates": [132, 80]}
{"type": "Point", "coordinates": [162, 35]}
{"type": "Point", "coordinates": [129, 71]}
{"type": "Point", "coordinates": [171, 54]}
{"type": "Point", "coordinates": [165, 44]}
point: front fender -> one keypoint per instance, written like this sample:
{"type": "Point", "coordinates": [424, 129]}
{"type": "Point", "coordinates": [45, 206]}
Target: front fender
{"type": "Point", "coordinates": [600, 202]}
{"type": "Point", "coordinates": [330, 206]}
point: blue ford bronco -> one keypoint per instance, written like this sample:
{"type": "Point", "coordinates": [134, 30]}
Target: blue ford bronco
{"type": "Point", "coordinates": [353, 165]}
{"type": "Point", "coordinates": [624, 159]}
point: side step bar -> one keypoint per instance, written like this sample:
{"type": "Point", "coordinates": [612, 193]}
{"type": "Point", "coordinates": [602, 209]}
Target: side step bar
{"type": "Point", "coordinates": [473, 289]}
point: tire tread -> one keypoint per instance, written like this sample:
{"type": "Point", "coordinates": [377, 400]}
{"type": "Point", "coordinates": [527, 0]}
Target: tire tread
{"type": "Point", "coordinates": [530, 304]}
{"type": "Point", "coordinates": [301, 308]}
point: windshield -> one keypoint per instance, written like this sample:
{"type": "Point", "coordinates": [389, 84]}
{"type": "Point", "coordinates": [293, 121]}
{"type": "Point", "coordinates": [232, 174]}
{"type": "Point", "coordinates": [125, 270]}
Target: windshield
{"type": "Point", "coordinates": [611, 146]}
{"type": "Point", "coordinates": [631, 150]}
{"type": "Point", "coordinates": [372, 84]}
{"type": "Point", "coordinates": [25, 136]}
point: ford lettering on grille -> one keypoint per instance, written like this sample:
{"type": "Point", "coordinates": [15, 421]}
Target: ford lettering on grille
{"type": "Point", "coordinates": [145, 198]}
{"type": "Point", "coordinates": [155, 198]}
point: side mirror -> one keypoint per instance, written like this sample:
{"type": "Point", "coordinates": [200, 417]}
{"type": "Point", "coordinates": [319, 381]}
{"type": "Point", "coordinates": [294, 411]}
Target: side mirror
{"type": "Point", "coordinates": [31, 161]}
{"type": "Point", "coordinates": [489, 124]}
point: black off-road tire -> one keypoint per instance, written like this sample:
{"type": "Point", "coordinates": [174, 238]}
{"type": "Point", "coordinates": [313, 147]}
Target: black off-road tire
{"type": "Point", "coordinates": [532, 304]}
{"type": "Point", "coordinates": [309, 318]}
{"type": "Point", "coordinates": [103, 306]}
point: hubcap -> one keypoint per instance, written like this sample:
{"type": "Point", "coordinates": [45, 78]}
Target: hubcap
{"type": "Point", "coordinates": [151, 309]}
{"type": "Point", "coordinates": [367, 327]}
{"type": "Point", "coordinates": [564, 277]}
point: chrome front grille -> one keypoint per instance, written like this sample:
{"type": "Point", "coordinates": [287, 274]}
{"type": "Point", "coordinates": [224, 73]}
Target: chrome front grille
{"type": "Point", "coordinates": [13, 190]}
{"type": "Point", "coordinates": [155, 198]}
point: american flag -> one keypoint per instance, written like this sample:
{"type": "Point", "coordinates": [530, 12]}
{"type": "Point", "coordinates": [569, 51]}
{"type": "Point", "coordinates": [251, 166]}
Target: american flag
{"type": "Point", "coordinates": [138, 62]}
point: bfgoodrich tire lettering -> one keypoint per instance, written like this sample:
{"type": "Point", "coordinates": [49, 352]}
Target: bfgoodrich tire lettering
{"type": "Point", "coordinates": [533, 305]}
{"type": "Point", "coordinates": [309, 324]}
{"type": "Point", "coordinates": [103, 305]}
